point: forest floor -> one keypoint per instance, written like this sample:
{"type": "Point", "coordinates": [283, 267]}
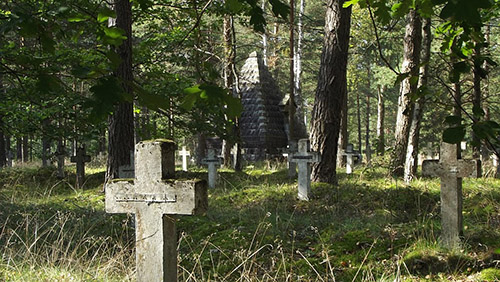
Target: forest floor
{"type": "Point", "coordinates": [371, 227]}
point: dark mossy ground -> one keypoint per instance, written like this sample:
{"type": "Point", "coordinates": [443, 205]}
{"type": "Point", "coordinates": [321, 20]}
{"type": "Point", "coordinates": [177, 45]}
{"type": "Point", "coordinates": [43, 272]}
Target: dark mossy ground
{"type": "Point", "coordinates": [370, 227]}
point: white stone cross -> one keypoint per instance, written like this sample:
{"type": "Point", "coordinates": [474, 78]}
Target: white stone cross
{"type": "Point", "coordinates": [184, 154]}
{"type": "Point", "coordinates": [349, 153]}
{"type": "Point", "coordinates": [304, 157]}
{"type": "Point", "coordinates": [212, 162]}
{"type": "Point", "coordinates": [154, 198]}
{"type": "Point", "coordinates": [127, 171]}
{"type": "Point", "coordinates": [451, 170]}
{"type": "Point", "coordinates": [80, 159]}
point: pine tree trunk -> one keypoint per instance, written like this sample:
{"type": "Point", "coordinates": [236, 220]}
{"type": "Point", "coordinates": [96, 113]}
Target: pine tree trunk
{"type": "Point", "coordinates": [411, 58]}
{"type": "Point", "coordinates": [411, 162]}
{"type": "Point", "coordinates": [121, 122]}
{"type": "Point", "coordinates": [300, 124]}
{"type": "Point", "coordinates": [367, 136]}
{"type": "Point", "coordinates": [19, 149]}
{"type": "Point", "coordinates": [201, 148]}
{"type": "Point", "coordinates": [3, 151]}
{"type": "Point", "coordinates": [330, 93]}
{"type": "Point", "coordinates": [264, 37]}
{"type": "Point", "coordinates": [380, 121]}
{"type": "Point", "coordinates": [228, 81]}
{"type": "Point", "coordinates": [26, 149]}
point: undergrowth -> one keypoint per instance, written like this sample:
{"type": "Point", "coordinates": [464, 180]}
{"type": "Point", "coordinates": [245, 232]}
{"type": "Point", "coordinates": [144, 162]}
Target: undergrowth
{"type": "Point", "coordinates": [369, 228]}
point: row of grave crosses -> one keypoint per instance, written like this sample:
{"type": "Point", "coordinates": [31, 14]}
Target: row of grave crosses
{"type": "Point", "coordinates": [155, 197]}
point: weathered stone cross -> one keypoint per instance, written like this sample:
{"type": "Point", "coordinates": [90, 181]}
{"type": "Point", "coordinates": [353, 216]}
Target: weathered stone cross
{"type": "Point", "coordinates": [349, 153]}
{"type": "Point", "coordinates": [451, 170]}
{"type": "Point", "coordinates": [212, 162]}
{"type": "Point", "coordinates": [80, 159]}
{"type": "Point", "coordinates": [184, 154]}
{"type": "Point", "coordinates": [153, 197]}
{"type": "Point", "coordinates": [304, 157]}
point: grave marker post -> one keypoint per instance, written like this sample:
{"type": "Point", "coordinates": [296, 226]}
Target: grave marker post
{"type": "Point", "coordinates": [60, 154]}
{"type": "Point", "coordinates": [155, 198]}
{"type": "Point", "coordinates": [212, 162]}
{"type": "Point", "coordinates": [451, 170]}
{"type": "Point", "coordinates": [349, 153]}
{"type": "Point", "coordinates": [184, 154]}
{"type": "Point", "coordinates": [80, 159]}
{"type": "Point", "coordinates": [303, 158]}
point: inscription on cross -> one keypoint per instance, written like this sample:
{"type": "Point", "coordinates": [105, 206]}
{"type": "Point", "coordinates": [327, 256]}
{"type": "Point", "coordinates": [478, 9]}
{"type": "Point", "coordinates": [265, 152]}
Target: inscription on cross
{"type": "Point", "coordinates": [184, 154]}
{"type": "Point", "coordinates": [80, 159]}
{"type": "Point", "coordinates": [303, 158]}
{"type": "Point", "coordinates": [154, 198]}
{"type": "Point", "coordinates": [451, 170]}
{"type": "Point", "coordinates": [212, 162]}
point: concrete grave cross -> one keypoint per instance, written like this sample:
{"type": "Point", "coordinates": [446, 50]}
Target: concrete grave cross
{"type": "Point", "coordinates": [349, 153]}
{"type": "Point", "coordinates": [212, 162]}
{"type": "Point", "coordinates": [303, 158]}
{"type": "Point", "coordinates": [451, 170]}
{"type": "Point", "coordinates": [80, 159]}
{"type": "Point", "coordinates": [127, 171]}
{"type": "Point", "coordinates": [184, 154]}
{"type": "Point", "coordinates": [152, 196]}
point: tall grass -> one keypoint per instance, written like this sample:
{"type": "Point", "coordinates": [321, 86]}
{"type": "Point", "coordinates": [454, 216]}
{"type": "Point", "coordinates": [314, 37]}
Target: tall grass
{"type": "Point", "coordinates": [369, 228]}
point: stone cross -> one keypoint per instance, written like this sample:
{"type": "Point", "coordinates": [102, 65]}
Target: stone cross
{"type": "Point", "coordinates": [212, 162]}
{"type": "Point", "coordinates": [80, 159]}
{"type": "Point", "coordinates": [184, 154]}
{"type": "Point", "coordinates": [451, 170]}
{"type": "Point", "coordinates": [349, 153]}
{"type": "Point", "coordinates": [127, 171]}
{"type": "Point", "coordinates": [154, 198]}
{"type": "Point", "coordinates": [304, 157]}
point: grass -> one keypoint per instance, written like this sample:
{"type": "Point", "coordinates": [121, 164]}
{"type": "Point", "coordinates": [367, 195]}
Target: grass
{"type": "Point", "coordinates": [369, 228]}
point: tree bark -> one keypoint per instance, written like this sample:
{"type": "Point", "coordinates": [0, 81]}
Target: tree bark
{"type": "Point", "coordinates": [330, 92]}
{"type": "Point", "coordinates": [3, 150]}
{"type": "Point", "coordinates": [19, 149]}
{"type": "Point", "coordinates": [476, 97]}
{"type": "Point", "coordinates": [26, 149]}
{"type": "Point", "coordinates": [300, 124]}
{"type": "Point", "coordinates": [380, 121]}
{"type": "Point", "coordinates": [411, 59]}
{"type": "Point", "coordinates": [367, 125]}
{"type": "Point", "coordinates": [411, 162]}
{"type": "Point", "coordinates": [227, 144]}
{"type": "Point", "coordinates": [121, 122]}
{"type": "Point", "coordinates": [358, 116]}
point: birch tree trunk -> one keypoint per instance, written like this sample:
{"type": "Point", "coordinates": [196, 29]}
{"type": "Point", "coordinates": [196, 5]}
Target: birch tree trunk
{"type": "Point", "coordinates": [300, 124]}
{"type": "Point", "coordinates": [380, 121]}
{"type": "Point", "coordinates": [358, 116]}
{"type": "Point", "coordinates": [121, 122]}
{"type": "Point", "coordinates": [411, 59]}
{"type": "Point", "coordinates": [228, 81]}
{"type": "Point", "coordinates": [411, 162]}
{"type": "Point", "coordinates": [343, 136]}
{"type": "Point", "coordinates": [330, 92]}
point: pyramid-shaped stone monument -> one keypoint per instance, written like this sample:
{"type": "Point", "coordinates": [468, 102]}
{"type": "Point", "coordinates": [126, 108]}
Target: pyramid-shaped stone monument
{"type": "Point", "coordinates": [262, 123]}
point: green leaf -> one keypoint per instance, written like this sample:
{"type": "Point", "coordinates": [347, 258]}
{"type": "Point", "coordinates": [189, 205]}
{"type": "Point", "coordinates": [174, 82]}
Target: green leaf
{"type": "Point", "coordinates": [257, 19]}
{"type": "Point", "coordinates": [454, 135]}
{"type": "Point", "coordinates": [48, 44]}
{"type": "Point", "coordinates": [105, 14]}
{"type": "Point", "coordinates": [114, 58]}
{"type": "Point", "coordinates": [234, 6]}
{"type": "Point", "coordinates": [453, 120]}
{"type": "Point", "coordinates": [349, 3]}
{"type": "Point", "coordinates": [114, 36]}
{"type": "Point", "coordinates": [280, 9]}
{"type": "Point", "coordinates": [77, 19]}
{"type": "Point", "coordinates": [150, 100]}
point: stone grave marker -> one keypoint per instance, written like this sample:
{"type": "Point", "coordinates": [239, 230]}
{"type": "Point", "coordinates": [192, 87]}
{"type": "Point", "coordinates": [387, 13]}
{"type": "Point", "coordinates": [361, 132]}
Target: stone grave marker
{"type": "Point", "coordinates": [349, 153]}
{"type": "Point", "coordinates": [80, 159]}
{"type": "Point", "coordinates": [10, 157]}
{"type": "Point", "coordinates": [303, 158]}
{"type": "Point", "coordinates": [212, 162]}
{"type": "Point", "coordinates": [155, 198]}
{"type": "Point", "coordinates": [127, 171]}
{"type": "Point", "coordinates": [451, 170]}
{"type": "Point", "coordinates": [184, 154]}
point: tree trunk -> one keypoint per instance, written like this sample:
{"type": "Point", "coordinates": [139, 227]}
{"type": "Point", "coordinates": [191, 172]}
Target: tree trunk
{"type": "Point", "coordinates": [476, 98]}
{"type": "Point", "coordinates": [291, 99]}
{"type": "Point", "coordinates": [264, 37]}
{"type": "Point", "coordinates": [367, 136]}
{"type": "Point", "coordinates": [411, 58]}
{"type": "Point", "coordinates": [358, 116]}
{"type": "Point", "coordinates": [121, 122]}
{"type": "Point", "coordinates": [26, 149]}
{"type": "Point", "coordinates": [19, 147]}
{"type": "Point", "coordinates": [411, 162]}
{"type": "Point", "coordinates": [227, 144]}
{"type": "Point", "coordinates": [45, 143]}
{"type": "Point", "coordinates": [343, 136]}
{"type": "Point", "coordinates": [380, 121]}
{"type": "Point", "coordinates": [300, 124]}
{"type": "Point", "coordinates": [3, 151]}
{"type": "Point", "coordinates": [201, 149]}
{"type": "Point", "coordinates": [330, 93]}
